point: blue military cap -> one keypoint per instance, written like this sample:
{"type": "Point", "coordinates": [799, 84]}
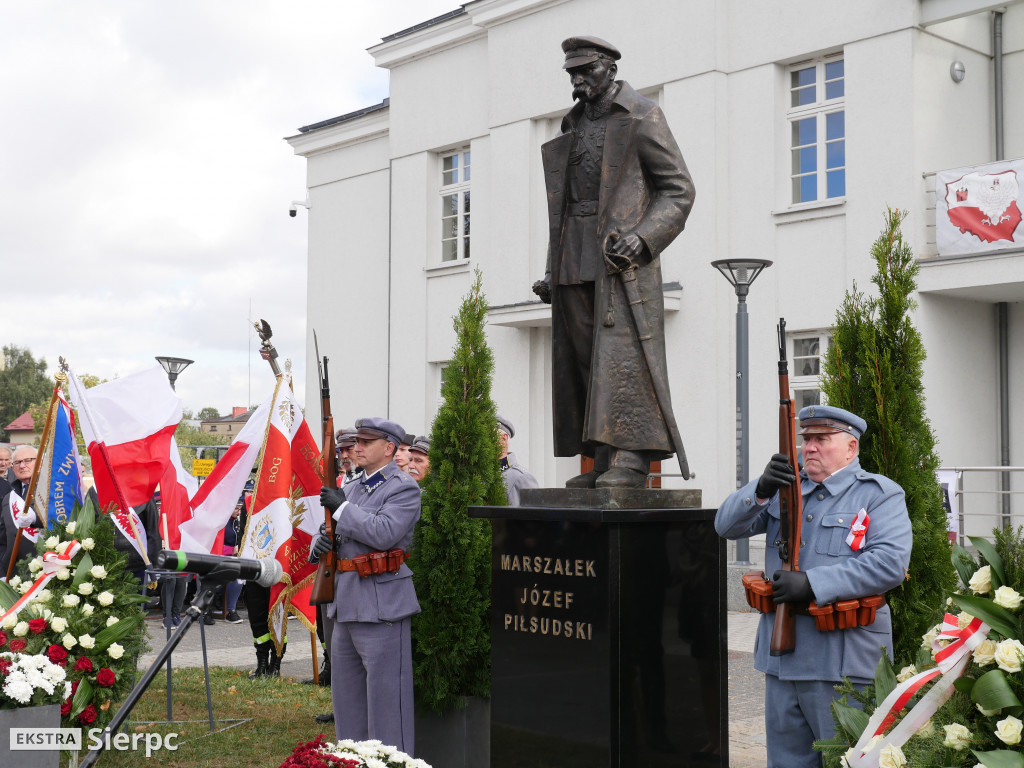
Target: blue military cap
{"type": "Point", "coordinates": [822, 419]}
{"type": "Point", "coordinates": [505, 425]}
{"type": "Point", "coordinates": [584, 49]}
{"type": "Point", "coordinates": [377, 427]}
{"type": "Point", "coordinates": [420, 444]}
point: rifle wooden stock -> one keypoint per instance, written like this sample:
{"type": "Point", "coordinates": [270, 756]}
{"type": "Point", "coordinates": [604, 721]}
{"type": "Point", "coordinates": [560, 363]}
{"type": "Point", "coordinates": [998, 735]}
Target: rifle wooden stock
{"type": "Point", "coordinates": [790, 507]}
{"type": "Point", "coordinates": [322, 590]}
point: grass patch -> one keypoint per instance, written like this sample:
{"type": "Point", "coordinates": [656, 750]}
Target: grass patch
{"type": "Point", "coordinates": [282, 712]}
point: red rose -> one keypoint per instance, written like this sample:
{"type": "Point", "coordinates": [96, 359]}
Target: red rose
{"type": "Point", "coordinates": [65, 708]}
{"type": "Point", "coordinates": [74, 687]}
{"type": "Point", "coordinates": [88, 715]}
{"type": "Point", "coordinates": [57, 654]}
{"type": "Point", "coordinates": [84, 664]}
{"type": "Point", "coordinates": [37, 626]}
{"type": "Point", "coordinates": [18, 645]}
{"type": "Point", "coordinates": [3, 639]}
{"type": "Point", "coordinates": [105, 677]}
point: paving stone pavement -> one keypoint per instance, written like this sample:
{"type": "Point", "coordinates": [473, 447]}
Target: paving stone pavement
{"type": "Point", "coordinates": [230, 645]}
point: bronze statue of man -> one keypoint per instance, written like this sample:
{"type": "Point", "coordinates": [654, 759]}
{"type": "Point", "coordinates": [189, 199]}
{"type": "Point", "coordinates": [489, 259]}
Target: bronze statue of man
{"type": "Point", "coordinates": [618, 194]}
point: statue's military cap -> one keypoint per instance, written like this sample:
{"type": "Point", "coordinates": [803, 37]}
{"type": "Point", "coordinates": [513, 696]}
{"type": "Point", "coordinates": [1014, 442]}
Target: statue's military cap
{"type": "Point", "coordinates": [376, 427]}
{"type": "Point", "coordinates": [584, 49]}
{"type": "Point", "coordinates": [506, 426]}
{"type": "Point", "coordinates": [420, 444]}
{"type": "Point", "coordinates": [822, 419]}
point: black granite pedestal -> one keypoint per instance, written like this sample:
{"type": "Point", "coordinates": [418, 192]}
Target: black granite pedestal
{"type": "Point", "coordinates": [608, 631]}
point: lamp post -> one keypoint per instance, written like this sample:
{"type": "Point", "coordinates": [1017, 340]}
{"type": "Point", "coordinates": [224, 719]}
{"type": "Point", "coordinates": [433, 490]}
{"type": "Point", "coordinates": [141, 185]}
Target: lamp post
{"type": "Point", "coordinates": [741, 273]}
{"type": "Point", "coordinates": [174, 366]}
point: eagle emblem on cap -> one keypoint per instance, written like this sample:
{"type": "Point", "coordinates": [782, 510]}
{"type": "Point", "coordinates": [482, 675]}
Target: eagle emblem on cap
{"type": "Point", "coordinates": [810, 412]}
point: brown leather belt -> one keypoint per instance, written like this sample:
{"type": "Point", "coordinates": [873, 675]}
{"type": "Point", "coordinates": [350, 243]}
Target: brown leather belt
{"type": "Point", "coordinates": [843, 614]}
{"type": "Point", "coordinates": [582, 208]}
{"type": "Point", "coordinates": [373, 563]}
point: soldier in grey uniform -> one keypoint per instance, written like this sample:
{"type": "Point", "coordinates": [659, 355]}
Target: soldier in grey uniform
{"type": "Point", "coordinates": [419, 458]}
{"type": "Point", "coordinates": [371, 647]}
{"type": "Point", "coordinates": [834, 565]}
{"type": "Point", "coordinates": [513, 474]}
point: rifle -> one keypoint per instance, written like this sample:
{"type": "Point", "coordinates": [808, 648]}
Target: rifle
{"type": "Point", "coordinates": [790, 506]}
{"type": "Point", "coordinates": [322, 590]}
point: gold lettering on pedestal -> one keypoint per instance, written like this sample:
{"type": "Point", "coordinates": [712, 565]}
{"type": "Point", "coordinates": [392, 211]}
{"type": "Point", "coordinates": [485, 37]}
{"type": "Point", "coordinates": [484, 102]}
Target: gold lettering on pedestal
{"type": "Point", "coordinates": [551, 566]}
{"type": "Point", "coordinates": [535, 625]}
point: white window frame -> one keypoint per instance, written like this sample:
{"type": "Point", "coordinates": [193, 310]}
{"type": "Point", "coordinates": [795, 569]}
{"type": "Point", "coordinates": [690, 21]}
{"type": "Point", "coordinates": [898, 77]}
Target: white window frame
{"type": "Point", "coordinates": [460, 187]}
{"type": "Point", "coordinates": [819, 109]}
{"type": "Point", "coordinates": [807, 382]}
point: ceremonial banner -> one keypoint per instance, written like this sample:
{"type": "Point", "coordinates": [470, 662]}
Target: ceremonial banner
{"type": "Point", "coordinates": [64, 466]}
{"type": "Point", "coordinates": [215, 500]}
{"type": "Point", "coordinates": [285, 511]}
{"type": "Point", "coordinates": [978, 209]}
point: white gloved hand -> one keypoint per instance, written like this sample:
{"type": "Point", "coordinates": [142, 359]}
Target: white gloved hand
{"type": "Point", "coordinates": [25, 519]}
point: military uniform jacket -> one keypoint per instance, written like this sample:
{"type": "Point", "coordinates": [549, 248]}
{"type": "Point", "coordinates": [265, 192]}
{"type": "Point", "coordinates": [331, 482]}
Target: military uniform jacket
{"type": "Point", "coordinates": [834, 570]}
{"type": "Point", "coordinates": [644, 187]}
{"type": "Point", "coordinates": [381, 514]}
{"type": "Point", "coordinates": [515, 477]}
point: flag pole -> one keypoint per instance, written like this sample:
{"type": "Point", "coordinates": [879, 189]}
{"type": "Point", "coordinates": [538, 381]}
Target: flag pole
{"type": "Point", "coordinates": [48, 427]}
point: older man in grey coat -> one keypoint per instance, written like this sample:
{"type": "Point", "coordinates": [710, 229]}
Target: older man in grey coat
{"type": "Point", "coordinates": [374, 597]}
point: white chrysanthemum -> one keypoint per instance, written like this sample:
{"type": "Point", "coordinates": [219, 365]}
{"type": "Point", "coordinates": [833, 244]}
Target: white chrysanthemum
{"type": "Point", "coordinates": [18, 689]}
{"type": "Point", "coordinates": [98, 572]}
{"type": "Point", "coordinates": [115, 651]}
{"type": "Point", "coordinates": [104, 598]}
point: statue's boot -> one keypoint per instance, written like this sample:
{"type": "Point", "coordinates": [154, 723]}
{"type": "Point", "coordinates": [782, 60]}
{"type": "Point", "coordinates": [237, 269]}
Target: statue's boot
{"type": "Point", "coordinates": [589, 479]}
{"type": "Point", "coordinates": [622, 477]}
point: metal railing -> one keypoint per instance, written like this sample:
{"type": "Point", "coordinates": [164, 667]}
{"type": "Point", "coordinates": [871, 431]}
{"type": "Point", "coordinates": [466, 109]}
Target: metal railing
{"type": "Point", "coordinates": [983, 498]}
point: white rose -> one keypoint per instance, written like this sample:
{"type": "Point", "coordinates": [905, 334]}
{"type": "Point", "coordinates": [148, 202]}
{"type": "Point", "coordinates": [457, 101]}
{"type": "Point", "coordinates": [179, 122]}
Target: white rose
{"type": "Point", "coordinates": [63, 574]}
{"type": "Point", "coordinates": [85, 588]}
{"type": "Point", "coordinates": [985, 653]}
{"type": "Point", "coordinates": [1009, 654]}
{"type": "Point", "coordinates": [88, 544]}
{"type": "Point", "coordinates": [9, 621]}
{"type": "Point", "coordinates": [98, 572]}
{"type": "Point", "coordinates": [112, 620]}
{"type": "Point", "coordinates": [25, 587]}
{"type": "Point", "coordinates": [927, 729]}
{"type": "Point", "coordinates": [58, 624]}
{"type": "Point", "coordinates": [71, 527]}
{"type": "Point", "coordinates": [69, 641]}
{"type": "Point", "coordinates": [1008, 598]}
{"type": "Point", "coordinates": [87, 609]}
{"type": "Point", "coordinates": [70, 601]}
{"type": "Point", "coordinates": [87, 641]}
{"type": "Point", "coordinates": [21, 629]}
{"type": "Point", "coordinates": [872, 743]}
{"type": "Point", "coordinates": [1008, 730]}
{"type": "Point", "coordinates": [15, 582]}
{"type": "Point", "coordinates": [35, 564]}
{"type": "Point", "coordinates": [104, 598]}
{"type": "Point", "coordinates": [115, 651]}
{"type": "Point", "coordinates": [981, 581]}
{"type": "Point", "coordinates": [957, 736]}
{"type": "Point", "coordinates": [51, 542]}
{"type": "Point", "coordinates": [891, 756]}
{"type": "Point", "coordinates": [844, 761]}
{"type": "Point", "coordinates": [43, 596]}
{"type": "Point", "coordinates": [62, 547]}
{"type": "Point", "coordinates": [963, 619]}
{"type": "Point", "coordinates": [906, 673]}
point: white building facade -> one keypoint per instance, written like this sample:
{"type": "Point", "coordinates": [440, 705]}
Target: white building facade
{"type": "Point", "coordinates": [800, 121]}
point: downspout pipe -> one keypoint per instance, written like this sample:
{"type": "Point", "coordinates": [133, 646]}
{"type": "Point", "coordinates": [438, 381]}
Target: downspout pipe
{"type": "Point", "coordinates": [1002, 308]}
{"type": "Point", "coordinates": [997, 80]}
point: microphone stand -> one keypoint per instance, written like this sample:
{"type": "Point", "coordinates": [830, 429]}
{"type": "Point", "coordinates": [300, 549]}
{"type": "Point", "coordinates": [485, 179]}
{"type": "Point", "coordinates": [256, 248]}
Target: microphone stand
{"type": "Point", "coordinates": [206, 590]}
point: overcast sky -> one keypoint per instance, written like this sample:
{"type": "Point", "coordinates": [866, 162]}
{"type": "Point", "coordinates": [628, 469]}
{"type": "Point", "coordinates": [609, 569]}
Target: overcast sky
{"type": "Point", "coordinates": [146, 181]}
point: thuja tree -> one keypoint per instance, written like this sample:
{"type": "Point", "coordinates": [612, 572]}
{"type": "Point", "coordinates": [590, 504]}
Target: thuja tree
{"type": "Point", "coordinates": [873, 368]}
{"type": "Point", "coordinates": [451, 556]}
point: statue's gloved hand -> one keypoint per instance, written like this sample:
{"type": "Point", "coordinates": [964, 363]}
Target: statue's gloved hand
{"type": "Point", "coordinates": [331, 498]}
{"type": "Point", "coordinates": [791, 587]}
{"type": "Point", "coordinates": [623, 251]}
{"type": "Point", "coordinates": [543, 289]}
{"type": "Point", "coordinates": [778, 474]}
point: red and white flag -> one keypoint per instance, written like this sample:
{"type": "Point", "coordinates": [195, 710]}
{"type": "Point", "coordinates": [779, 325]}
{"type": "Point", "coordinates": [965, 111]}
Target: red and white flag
{"type": "Point", "coordinates": [217, 496]}
{"type": "Point", "coordinates": [128, 425]}
{"type": "Point", "coordinates": [177, 487]}
{"type": "Point", "coordinates": [285, 511]}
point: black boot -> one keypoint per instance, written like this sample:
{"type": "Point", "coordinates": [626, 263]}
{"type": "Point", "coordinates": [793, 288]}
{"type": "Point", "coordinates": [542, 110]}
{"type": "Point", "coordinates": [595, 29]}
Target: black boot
{"type": "Point", "coordinates": [274, 665]}
{"type": "Point", "coordinates": [262, 660]}
{"type": "Point", "coordinates": [325, 672]}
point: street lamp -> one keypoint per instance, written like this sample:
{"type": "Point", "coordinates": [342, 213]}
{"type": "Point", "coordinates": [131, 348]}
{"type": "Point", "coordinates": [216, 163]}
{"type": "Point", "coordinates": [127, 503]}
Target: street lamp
{"type": "Point", "coordinates": [174, 366]}
{"type": "Point", "coordinates": [742, 273]}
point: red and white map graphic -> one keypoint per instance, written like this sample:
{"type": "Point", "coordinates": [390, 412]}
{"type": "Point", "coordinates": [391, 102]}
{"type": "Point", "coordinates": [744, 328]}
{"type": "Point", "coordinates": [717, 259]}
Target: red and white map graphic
{"type": "Point", "coordinates": [982, 208]}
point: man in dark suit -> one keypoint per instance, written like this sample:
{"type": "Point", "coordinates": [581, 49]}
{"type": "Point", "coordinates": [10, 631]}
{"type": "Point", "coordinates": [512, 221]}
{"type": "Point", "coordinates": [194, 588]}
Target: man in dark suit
{"type": "Point", "coordinates": [618, 195]}
{"type": "Point", "coordinates": [374, 597]}
{"type": "Point", "coordinates": [23, 463]}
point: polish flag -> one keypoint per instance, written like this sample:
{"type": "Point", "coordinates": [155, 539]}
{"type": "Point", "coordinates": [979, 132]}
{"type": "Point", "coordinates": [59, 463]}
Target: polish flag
{"type": "Point", "coordinates": [128, 425]}
{"type": "Point", "coordinates": [285, 511]}
{"type": "Point", "coordinates": [177, 487]}
{"type": "Point", "coordinates": [213, 503]}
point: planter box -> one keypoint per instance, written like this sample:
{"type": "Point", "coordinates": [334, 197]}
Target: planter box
{"type": "Point", "coordinates": [33, 718]}
{"type": "Point", "coordinates": [458, 738]}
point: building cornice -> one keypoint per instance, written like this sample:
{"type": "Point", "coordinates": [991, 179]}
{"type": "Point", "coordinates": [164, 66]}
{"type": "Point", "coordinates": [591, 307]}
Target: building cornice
{"type": "Point", "coordinates": [449, 33]}
{"type": "Point", "coordinates": [356, 130]}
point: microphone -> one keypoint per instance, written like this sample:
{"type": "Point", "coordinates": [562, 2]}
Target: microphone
{"type": "Point", "coordinates": [266, 573]}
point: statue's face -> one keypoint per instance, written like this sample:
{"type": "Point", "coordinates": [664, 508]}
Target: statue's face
{"type": "Point", "coordinates": [591, 81]}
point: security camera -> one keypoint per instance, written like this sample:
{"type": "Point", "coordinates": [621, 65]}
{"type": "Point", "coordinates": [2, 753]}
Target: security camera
{"type": "Point", "coordinates": [293, 209]}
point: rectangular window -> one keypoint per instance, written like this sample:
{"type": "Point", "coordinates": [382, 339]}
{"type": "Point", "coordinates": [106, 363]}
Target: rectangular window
{"type": "Point", "coordinates": [806, 352]}
{"type": "Point", "coordinates": [817, 130]}
{"type": "Point", "coordinates": [455, 175]}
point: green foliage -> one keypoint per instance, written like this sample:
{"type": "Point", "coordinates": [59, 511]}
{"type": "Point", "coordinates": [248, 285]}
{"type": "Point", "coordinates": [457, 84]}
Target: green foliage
{"type": "Point", "coordinates": [451, 556]}
{"type": "Point", "coordinates": [208, 414]}
{"type": "Point", "coordinates": [190, 439]}
{"type": "Point", "coordinates": [873, 368]}
{"type": "Point", "coordinates": [23, 381]}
